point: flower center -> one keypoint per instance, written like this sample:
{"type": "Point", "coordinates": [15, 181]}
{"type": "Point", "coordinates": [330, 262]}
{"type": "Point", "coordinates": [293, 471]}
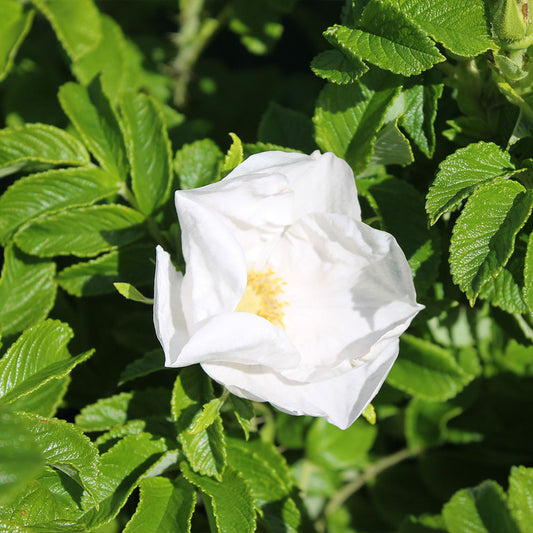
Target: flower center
{"type": "Point", "coordinates": [262, 296]}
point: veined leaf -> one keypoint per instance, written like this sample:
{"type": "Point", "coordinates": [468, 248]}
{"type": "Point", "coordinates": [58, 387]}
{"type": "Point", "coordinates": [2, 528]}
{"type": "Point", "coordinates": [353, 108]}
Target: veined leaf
{"type": "Point", "coordinates": [462, 27]}
{"type": "Point", "coordinates": [391, 147]}
{"type": "Point", "coordinates": [148, 150]}
{"type": "Point", "coordinates": [206, 450]}
{"type": "Point", "coordinates": [198, 164]}
{"type": "Point", "coordinates": [484, 234]}
{"type": "Point", "coordinates": [14, 26]}
{"type": "Point", "coordinates": [37, 348]}
{"type": "Point", "coordinates": [229, 502]}
{"type": "Point", "coordinates": [117, 410]}
{"type": "Point", "coordinates": [348, 118]}
{"type": "Point", "coordinates": [461, 173]}
{"type": "Point", "coordinates": [113, 59]}
{"type": "Point", "coordinates": [93, 116]}
{"type": "Point", "coordinates": [269, 478]}
{"type": "Point", "coordinates": [66, 449]}
{"type": "Point", "coordinates": [387, 38]}
{"type": "Point", "coordinates": [521, 496]}
{"type": "Point", "coordinates": [121, 469]}
{"type": "Point", "coordinates": [84, 231]}
{"type": "Point", "coordinates": [44, 400]}
{"type": "Point", "coordinates": [131, 293]}
{"type": "Point", "coordinates": [427, 371]}
{"type": "Point", "coordinates": [150, 362]}
{"type": "Point", "coordinates": [528, 275]}
{"type": "Point", "coordinates": [421, 98]}
{"type": "Point", "coordinates": [20, 458]}
{"type": "Point", "coordinates": [76, 24]}
{"type": "Point", "coordinates": [132, 264]}
{"type": "Point", "coordinates": [27, 290]}
{"type": "Point", "coordinates": [35, 195]}
{"type": "Point", "coordinates": [335, 67]}
{"type": "Point", "coordinates": [37, 145]}
{"type": "Point", "coordinates": [164, 505]}
{"type": "Point", "coordinates": [482, 509]}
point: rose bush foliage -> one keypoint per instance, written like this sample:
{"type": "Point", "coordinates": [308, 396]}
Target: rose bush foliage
{"type": "Point", "coordinates": [280, 280]}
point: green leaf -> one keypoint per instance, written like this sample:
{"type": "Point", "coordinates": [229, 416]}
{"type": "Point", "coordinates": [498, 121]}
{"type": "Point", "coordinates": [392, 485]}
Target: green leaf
{"type": "Point", "coordinates": [244, 413]}
{"type": "Point", "coordinates": [14, 26]}
{"type": "Point", "coordinates": [461, 173]}
{"type": "Point", "coordinates": [113, 59]}
{"type": "Point", "coordinates": [198, 164]}
{"type": "Point", "coordinates": [521, 496]}
{"type": "Point", "coordinates": [54, 371]}
{"type": "Point", "coordinates": [122, 467]}
{"type": "Point", "coordinates": [348, 118]}
{"type": "Point", "coordinates": [482, 509]}
{"type": "Point", "coordinates": [27, 290]}
{"type": "Point", "coordinates": [421, 98]}
{"type": "Point", "coordinates": [427, 371]}
{"type": "Point", "coordinates": [94, 118]}
{"type": "Point", "coordinates": [148, 149]}
{"type": "Point", "coordinates": [20, 458]}
{"type": "Point", "coordinates": [391, 147]}
{"type": "Point", "coordinates": [335, 67]}
{"type": "Point", "coordinates": [45, 400]}
{"type": "Point", "coordinates": [108, 413]}
{"type": "Point", "coordinates": [528, 275]}
{"type": "Point", "coordinates": [229, 503]}
{"type": "Point", "coordinates": [164, 505]}
{"type": "Point", "coordinates": [460, 26]}
{"type": "Point", "coordinates": [105, 414]}
{"type": "Point", "coordinates": [205, 451]}
{"type": "Point", "coordinates": [132, 263]}
{"type": "Point", "coordinates": [505, 290]}
{"type": "Point", "coordinates": [76, 24]}
{"type": "Point", "coordinates": [270, 480]}
{"type": "Point", "coordinates": [36, 349]}
{"type": "Point", "coordinates": [84, 231]}
{"type": "Point", "coordinates": [333, 448]}
{"type": "Point", "coordinates": [263, 468]}
{"type": "Point", "coordinates": [234, 156]}
{"type": "Point", "coordinates": [131, 293]}
{"type": "Point", "coordinates": [387, 39]}
{"type": "Point", "coordinates": [66, 449]}
{"type": "Point", "coordinates": [286, 127]}
{"type": "Point", "coordinates": [38, 145]}
{"type": "Point", "coordinates": [210, 413]}
{"type": "Point", "coordinates": [51, 191]}
{"type": "Point", "coordinates": [150, 362]}
{"type": "Point", "coordinates": [483, 236]}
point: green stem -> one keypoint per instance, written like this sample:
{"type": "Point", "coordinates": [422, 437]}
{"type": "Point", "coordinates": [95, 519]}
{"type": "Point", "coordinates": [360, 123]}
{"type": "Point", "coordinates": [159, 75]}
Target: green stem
{"type": "Point", "coordinates": [367, 475]}
{"type": "Point", "coordinates": [156, 233]}
{"type": "Point", "coordinates": [194, 35]}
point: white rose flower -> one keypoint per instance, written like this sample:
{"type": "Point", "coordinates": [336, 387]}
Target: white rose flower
{"type": "Point", "coordinates": [288, 297]}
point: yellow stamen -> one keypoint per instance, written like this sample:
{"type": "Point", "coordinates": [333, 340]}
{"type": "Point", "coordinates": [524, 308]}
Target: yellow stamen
{"type": "Point", "coordinates": [262, 296]}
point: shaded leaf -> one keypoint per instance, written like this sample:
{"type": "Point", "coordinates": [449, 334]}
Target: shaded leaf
{"type": "Point", "coordinates": [27, 290]}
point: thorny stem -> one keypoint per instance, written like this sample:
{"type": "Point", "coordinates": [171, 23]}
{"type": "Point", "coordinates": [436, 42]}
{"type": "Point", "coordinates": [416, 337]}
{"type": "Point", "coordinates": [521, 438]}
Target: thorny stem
{"type": "Point", "coordinates": [367, 475]}
{"type": "Point", "coordinates": [192, 38]}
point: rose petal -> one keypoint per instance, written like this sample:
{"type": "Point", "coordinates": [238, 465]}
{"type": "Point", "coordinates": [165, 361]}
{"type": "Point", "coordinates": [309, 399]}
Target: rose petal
{"type": "Point", "coordinates": [321, 182]}
{"type": "Point", "coordinates": [347, 285]}
{"type": "Point", "coordinates": [340, 399]}
{"type": "Point", "coordinates": [216, 273]}
{"type": "Point", "coordinates": [169, 320]}
{"type": "Point", "coordinates": [240, 338]}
